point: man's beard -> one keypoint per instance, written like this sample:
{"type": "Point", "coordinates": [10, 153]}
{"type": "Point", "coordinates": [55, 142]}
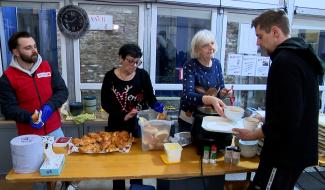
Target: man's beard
{"type": "Point", "coordinates": [29, 59]}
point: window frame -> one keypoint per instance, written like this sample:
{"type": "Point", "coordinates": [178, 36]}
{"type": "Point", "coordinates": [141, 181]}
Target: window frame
{"type": "Point", "coordinates": [76, 55]}
{"type": "Point", "coordinates": [153, 43]}
{"type": "Point", "coordinates": [308, 22]}
{"type": "Point", "coordinates": [33, 5]}
{"type": "Point", "coordinates": [241, 17]}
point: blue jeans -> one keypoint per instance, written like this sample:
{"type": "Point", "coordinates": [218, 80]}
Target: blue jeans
{"type": "Point", "coordinates": [56, 133]}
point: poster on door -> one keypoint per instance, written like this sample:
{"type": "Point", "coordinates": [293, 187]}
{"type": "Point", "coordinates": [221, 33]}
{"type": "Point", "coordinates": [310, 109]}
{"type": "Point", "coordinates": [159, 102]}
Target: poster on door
{"type": "Point", "coordinates": [234, 64]}
{"type": "Point", "coordinates": [248, 65]}
{"type": "Point", "coordinates": [262, 66]}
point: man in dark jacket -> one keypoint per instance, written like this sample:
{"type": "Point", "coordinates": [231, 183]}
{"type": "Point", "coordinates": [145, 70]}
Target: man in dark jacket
{"type": "Point", "coordinates": [30, 85]}
{"type": "Point", "coordinates": [292, 102]}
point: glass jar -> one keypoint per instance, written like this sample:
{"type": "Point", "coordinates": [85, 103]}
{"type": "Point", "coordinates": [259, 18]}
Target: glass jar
{"type": "Point", "coordinates": [228, 154]}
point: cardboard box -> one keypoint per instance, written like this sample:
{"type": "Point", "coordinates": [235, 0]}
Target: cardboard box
{"type": "Point", "coordinates": [52, 166]}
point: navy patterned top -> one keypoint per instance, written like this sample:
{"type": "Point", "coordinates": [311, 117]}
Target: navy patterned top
{"type": "Point", "coordinates": [196, 74]}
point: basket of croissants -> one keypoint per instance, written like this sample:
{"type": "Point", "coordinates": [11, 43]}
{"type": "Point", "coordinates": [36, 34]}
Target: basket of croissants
{"type": "Point", "coordinates": [102, 142]}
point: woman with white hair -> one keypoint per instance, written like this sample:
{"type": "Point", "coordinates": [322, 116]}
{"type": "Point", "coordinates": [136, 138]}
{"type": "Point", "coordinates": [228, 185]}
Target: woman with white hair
{"type": "Point", "coordinates": [203, 82]}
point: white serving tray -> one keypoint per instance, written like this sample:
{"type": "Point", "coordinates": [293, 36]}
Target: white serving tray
{"type": "Point", "coordinates": [220, 124]}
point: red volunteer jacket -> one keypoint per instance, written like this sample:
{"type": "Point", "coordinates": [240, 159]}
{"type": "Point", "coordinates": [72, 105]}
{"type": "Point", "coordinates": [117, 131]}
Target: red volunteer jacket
{"type": "Point", "coordinates": [32, 93]}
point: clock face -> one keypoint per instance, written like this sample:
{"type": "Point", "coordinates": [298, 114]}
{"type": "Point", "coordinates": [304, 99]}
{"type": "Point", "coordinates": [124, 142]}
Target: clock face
{"type": "Point", "coordinates": [73, 21]}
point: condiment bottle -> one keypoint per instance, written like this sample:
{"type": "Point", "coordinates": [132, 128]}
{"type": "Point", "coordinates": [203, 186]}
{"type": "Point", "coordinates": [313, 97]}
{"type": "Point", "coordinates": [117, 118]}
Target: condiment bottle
{"type": "Point", "coordinates": [213, 155]}
{"type": "Point", "coordinates": [228, 154]}
{"type": "Point", "coordinates": [206, 152]}
{"type": "Point", "coordinates": [236, 155]}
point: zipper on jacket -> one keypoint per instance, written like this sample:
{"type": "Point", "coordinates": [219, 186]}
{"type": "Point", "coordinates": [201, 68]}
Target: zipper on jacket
{"type": "Point", "coordinates": [39, 97]}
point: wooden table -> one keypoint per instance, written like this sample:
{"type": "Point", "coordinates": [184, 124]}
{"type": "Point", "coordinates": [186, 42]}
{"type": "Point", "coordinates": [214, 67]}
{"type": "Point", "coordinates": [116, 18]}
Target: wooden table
{"type": "Point", "coordinates": [135, 164]}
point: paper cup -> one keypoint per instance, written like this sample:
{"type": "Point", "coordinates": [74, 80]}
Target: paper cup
{"type": "Point", "coordinates": [251, 123]}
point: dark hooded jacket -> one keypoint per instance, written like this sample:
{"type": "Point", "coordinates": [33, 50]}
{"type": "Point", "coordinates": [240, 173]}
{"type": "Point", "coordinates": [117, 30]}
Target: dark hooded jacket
{"type": "Point", "coordinates": [292, 106]}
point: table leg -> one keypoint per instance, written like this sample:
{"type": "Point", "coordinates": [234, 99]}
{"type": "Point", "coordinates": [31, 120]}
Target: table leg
{"type": "Point", "coordinates": [248, 176]}
{"type": "Point", "coordinates": [50, 185]}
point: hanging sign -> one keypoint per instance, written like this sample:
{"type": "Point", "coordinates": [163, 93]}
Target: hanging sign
{"type": "Point", "coordinates": [101, 22]}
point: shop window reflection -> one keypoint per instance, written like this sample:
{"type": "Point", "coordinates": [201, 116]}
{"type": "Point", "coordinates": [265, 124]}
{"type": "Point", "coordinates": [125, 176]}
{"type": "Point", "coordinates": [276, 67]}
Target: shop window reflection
{"type": "Point", "coordinates": [174, 34]}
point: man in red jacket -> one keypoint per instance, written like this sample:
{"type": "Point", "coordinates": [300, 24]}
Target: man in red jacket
{"type": "Point", "coordinates": [31, 85]}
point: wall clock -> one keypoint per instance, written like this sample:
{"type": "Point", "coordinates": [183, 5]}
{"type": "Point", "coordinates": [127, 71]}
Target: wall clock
{"type": "Point", "coordinates": [73, 21]}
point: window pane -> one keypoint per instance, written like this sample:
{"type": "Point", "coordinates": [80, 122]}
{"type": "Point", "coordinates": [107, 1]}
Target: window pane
{"type": "Point", "coordinates": [99, 49]}
{"type": "Point", "coordinates": [232, 37]}
{"type": "Point", "coordinates": [168, 93]}
{"type": "Point", "coordinates": [316, 38]}
{"type": "Point", "coordinates": [175, 29]}
{"type": "Point", "coordinates": [244, 99]}
{"type": "Point", "coordinates": [42, 26]}
{"type": "Point", "coordinates": [40, 20]}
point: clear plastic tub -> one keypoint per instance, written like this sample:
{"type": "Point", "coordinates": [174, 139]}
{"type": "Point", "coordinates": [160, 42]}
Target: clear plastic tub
{"type": "Point", "coordinates": [154, 133]}
{"type": "Point", "coordinates": [148, 114]}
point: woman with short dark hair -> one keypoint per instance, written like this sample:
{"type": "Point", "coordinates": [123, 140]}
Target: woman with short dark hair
{"type": "Point", "coordinates": [126, 90]}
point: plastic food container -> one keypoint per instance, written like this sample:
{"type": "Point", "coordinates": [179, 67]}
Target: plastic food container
{"type": "Point", "coordinates": [173, 152]}
{"type": "Point", "coordinates": [154, 133]}
{"type": "Point", "coordinates": [183, 138]}
{"type": "Point", "coordinates": [248, 148]}
{"type": "Point", "coordinates": [62, 141]}
{"type": "Point", "coordinates": [148, 114]}
{"type": "Point", "coordinates": [76, 108]}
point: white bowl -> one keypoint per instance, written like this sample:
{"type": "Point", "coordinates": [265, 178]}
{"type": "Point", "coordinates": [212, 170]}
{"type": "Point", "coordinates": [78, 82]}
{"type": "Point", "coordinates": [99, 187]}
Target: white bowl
{"type": "Point", "coordinates": [234, 113]}
{"type": "Point", "coordinates": [251, 123]}
{"type": "Point", "coordinates": [248, 148]}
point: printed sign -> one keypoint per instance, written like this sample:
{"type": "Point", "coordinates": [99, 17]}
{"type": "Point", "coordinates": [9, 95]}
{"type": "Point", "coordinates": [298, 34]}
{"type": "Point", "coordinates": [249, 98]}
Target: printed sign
{"type": "Point", "coordinates": [101, 22]}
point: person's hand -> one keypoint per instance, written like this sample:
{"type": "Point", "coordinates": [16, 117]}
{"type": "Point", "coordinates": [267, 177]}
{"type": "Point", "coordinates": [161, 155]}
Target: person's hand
{"type": "Point", "coordinates": [226, 92]}
{"type": "Point", "coordinates": [218, 106]}
{"type": "Point", "coordinates": [158, 107]}
{"type": "Point", "coordinates": [246, 134]}
{"type": "Point", "coordinates": [36, 120]}
{"type": "Point", "coordinates": [46, 112]}
{"type": "Point", "coordinates": [259, 117]}
{"type": "Point", "coordinates": [131, 114]}
{"type": "Point", "coordinates": [215, 102]}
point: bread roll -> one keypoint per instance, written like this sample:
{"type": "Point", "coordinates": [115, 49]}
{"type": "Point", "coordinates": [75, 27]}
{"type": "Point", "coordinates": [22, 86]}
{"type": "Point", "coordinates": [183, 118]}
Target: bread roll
{"type": "Point", "coordinates": [162, 116]}
{"type": "Point", "coordinates": [162, 135]}
{"type": "Point", "coordinates": [150, 129]}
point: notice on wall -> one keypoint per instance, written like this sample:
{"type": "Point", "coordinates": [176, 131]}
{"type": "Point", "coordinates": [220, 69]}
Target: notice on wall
{"type": "Point", "coordinates": [234, 64]}
{"type": "Point", "coordinates": [262, 66]}
{"type": "Point", "coordinates": [100, 22]}
{"type": "Point", "coordinates": [247, 40]}
{"type": "Point", "coordinates": [248, 65]}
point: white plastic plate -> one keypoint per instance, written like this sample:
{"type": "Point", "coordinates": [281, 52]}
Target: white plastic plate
{"type": "Point", "coordinates": [220, 124]}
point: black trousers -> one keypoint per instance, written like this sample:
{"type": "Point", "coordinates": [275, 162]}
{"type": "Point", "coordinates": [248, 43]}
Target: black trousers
{"type": "Point", "coordinates": [120, 184]}
{"type": "Point", "coordinates": [271, 178]}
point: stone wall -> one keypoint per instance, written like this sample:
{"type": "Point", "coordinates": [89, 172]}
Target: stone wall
{"type": "Point", "coordinates": [99, 49]}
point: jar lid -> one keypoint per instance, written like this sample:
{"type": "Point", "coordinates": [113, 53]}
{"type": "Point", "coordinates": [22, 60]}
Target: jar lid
{"type": "Point", "coordinates": [229, 148]}
{"type": "Point", "coordinates": [89, 97]}
{"type": "Point", "coordinates": [236, 149]}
